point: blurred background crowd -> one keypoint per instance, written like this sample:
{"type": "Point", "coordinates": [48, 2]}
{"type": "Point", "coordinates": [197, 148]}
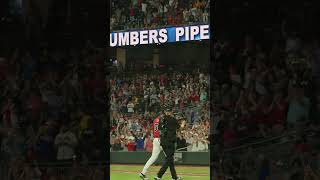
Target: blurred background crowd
{"type": "Point", "coordinates": [136, 100]}
{"type": "Point", "coordinates": [52, 109]}
{"type": "Point", "coordinates": [134, 14]}
{"type": "Point", "coordinates": [52, 86]}
{"type": "Point", "coordinates": [265, 93]}
{"type": "Point", "coordinates": [265, 83]}
{"type": "Point", "coordinates": [268, 98]}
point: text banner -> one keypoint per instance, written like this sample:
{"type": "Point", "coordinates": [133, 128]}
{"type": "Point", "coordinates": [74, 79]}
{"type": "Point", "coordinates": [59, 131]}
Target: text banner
{"type": "Point", "coordinates": [160, 36]}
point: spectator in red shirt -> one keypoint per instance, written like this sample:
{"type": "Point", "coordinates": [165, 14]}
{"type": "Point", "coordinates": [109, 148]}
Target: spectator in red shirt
{"type": "Point", "coordinates": [260, 115]}
{"type": "Point", "coordinates": [35, 106]}
{"type": "Point", "coordinates": [171, 20]}
{"type": "Point", "coordinates": [229, 136]}
{"type": "Point", "coordinates": [7, 112]}
{"type": "Point", "coordinates": [131, 145]}
{"type": "Point", "coordinates": [196, 97]}
{"type": "Point", "coordinates": [302, 146]}
{"type": "Point", "coordinates": [181, 103]}
{"type": "Point", "coordinates": [277, 113]}
{"type": "Point", "coordinates": [132, 13]}
{"type": "Point", "coordinates": [191, 97]}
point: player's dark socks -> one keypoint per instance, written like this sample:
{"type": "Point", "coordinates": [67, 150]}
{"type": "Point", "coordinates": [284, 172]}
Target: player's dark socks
{"type": "Point", "coordinates": [143, 176]}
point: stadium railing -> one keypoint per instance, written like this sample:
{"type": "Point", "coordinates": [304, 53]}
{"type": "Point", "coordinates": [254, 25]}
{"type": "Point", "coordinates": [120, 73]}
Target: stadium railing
{"type": "Point", "coordinates": [284, 138]}
{"type": "Point", "coordinates": [84, 170]}
{"type": "Point", "coordinates": [278, 149]}
{"type": "Point", "coordinates": [141, 157]}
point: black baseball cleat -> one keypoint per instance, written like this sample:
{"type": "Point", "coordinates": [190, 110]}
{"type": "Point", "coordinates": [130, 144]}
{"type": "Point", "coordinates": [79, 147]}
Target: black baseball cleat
{"type": "Point", "coordinates": [143, 177]}
{"type": "Point", "coordinates": [156, 178]}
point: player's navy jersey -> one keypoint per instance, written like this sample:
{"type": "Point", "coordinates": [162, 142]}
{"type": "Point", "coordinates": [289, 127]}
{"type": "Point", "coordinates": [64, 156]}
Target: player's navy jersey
{"type": "Point", "coordinates": [155, 127]}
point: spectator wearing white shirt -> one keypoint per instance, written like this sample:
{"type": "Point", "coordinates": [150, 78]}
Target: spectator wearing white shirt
{"type": "Point", "coordinates": [199, 144]}
{"type": "Point", "coordinates": [144, 7]}
{"type": "Point", "coordinates": [65, 143]}
{"type": "Point", "coordinates": [130, 107]}
{"type": "Point", "coordinates": [189, 140]}
{"type": "Point", "coordinates": [171, 2]}
{"type": "Point", "coordinates": [176, 101]}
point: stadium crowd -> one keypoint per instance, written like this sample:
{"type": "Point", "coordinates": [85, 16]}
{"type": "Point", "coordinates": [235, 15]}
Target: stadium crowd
{"type": "Point", "coordinates": [51, 112]}
{"type": "Point", "coordinates": [264, 93]}
{"type": "Point", "coordinates": [137, 98]}
{"type": "Point", "coordinates": [149, 14]}
{"type": "Point", "coordinates": [261, 93]}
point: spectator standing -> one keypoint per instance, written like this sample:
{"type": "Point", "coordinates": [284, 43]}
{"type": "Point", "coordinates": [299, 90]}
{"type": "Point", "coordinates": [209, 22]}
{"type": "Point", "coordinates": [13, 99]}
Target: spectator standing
{"type": "Point", "coordinates": [140, 142]}
{"type": "Point", "coordinates": [117, 146]}
{"type": "Point", "coordinates": [65, 143]}
{"type": "Point", "coordinates": [299, 106]}
{"type": "Point", "coordinates": [130, 107]}
{"type": "Point", "coordinates": [45, 145]}
{"type": "Point", "coordinates": [131, 145]}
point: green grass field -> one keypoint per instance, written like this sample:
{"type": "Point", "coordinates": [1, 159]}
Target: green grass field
{"type": "Point", "coordinates": [131, 172]}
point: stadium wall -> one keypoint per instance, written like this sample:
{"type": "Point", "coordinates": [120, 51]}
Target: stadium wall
{"type": "Point", "coordinates": [182, 158]}
{"type": "Point", "coordinates": [173, 54]}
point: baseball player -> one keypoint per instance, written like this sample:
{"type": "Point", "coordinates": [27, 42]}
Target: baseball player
{"type": "Point", "coordinates": [168, 139]}
{"type": "Point", "coordinates": [156, 149]}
